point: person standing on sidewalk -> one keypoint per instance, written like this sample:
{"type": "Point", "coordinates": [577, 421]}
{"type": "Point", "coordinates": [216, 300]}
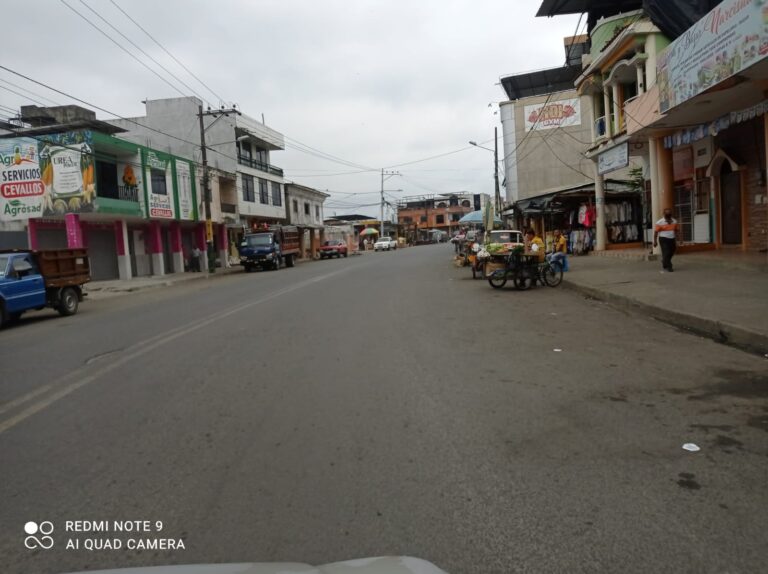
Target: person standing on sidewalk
{"type": "Point", "coordinates": [665, 232]}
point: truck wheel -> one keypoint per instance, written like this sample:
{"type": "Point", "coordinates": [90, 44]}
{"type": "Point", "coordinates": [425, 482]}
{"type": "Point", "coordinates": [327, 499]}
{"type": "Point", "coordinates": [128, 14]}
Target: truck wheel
{"type": "Point", "coordinates": [248, 268]}
{"type": "Point", "coordinates": [345, 254]}
{"type": "Point", "coordinates": [68, 302]}
{"type": "Point", "coordinates": [289, 260]}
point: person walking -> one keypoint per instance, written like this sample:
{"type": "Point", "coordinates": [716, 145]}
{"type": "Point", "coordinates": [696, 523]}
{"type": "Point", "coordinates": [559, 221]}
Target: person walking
{"type": "Point", "coordinates": [665, 233]}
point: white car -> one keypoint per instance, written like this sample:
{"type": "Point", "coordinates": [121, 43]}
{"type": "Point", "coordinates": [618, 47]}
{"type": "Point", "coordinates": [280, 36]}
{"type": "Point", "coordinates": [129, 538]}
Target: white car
{"type": "Point", "coordinates": [385, 244]}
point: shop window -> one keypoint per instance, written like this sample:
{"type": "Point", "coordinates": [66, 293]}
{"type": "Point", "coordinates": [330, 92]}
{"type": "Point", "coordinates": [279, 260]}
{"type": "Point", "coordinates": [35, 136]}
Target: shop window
{"type": "Point", "coordinates": [107, 184]}
{"type": "Point", "coordinates": [249, 193]}
{"type": "Point", "coordinates": [263, 192]}
{"type": "Point", "coordinates": [157, 177]}
{"type": "Point", "coordinates": [684, 210]}
{"type": "Point", "coordinates": [440, 219]}
{"type": "Point", "coordinates": [277, 195]}
{"type": "Point", "coordinates": [423, 218]}
{"type": "Point", "coordinates": [455, 216]}
{"type": "Point", "coordinates": [306, 208]}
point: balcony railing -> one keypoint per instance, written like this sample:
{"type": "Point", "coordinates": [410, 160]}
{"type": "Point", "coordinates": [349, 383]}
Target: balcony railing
{"type": "Point", "coordinates": [261, 166]}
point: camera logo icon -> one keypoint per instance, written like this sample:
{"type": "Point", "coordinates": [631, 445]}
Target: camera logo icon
{"type": "Point", "coordinates": [38, 535]}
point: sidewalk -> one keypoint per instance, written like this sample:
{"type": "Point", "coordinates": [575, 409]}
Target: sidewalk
{"type": "Point", "coordinates": [104, 289]}
{"type": "Point", "coordinates": [719, 295]}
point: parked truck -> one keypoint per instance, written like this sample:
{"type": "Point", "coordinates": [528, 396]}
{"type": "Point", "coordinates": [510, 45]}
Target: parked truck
{"type": "Point", "coordinates": [38, 279]}
{"type": "Point", "coordinates": [269, 249]}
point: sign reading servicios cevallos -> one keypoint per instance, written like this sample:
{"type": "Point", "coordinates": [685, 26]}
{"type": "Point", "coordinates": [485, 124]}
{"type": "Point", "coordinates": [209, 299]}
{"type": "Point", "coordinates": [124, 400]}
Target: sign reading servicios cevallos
{"type": "Point", "coordinates": [21, 185]}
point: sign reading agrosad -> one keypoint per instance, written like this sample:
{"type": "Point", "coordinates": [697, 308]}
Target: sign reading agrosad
{"type": "Point", "coordinates": [730, 38]}
{"type": "Point", "coordinates": [559, 114]}
{"type": "Point", "coordinates": [21, 185]}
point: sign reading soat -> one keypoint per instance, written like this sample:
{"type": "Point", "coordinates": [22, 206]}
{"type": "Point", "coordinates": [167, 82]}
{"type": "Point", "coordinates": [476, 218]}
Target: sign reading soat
{"type": "Point", "coordinates": [559, 114]}
{"type": "Point", "coordinates": [730, 38]}
{"type": "Point", "coordinates": [21, 185]}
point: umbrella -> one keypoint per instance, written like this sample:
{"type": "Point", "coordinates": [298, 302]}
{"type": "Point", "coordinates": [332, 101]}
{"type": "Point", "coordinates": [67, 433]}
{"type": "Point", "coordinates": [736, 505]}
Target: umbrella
{"type": "Point", "coordinates": [476, 217]}
{"type": "Point", "coordinates": [369, 231]}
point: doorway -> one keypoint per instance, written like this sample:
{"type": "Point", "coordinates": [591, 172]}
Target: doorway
{"type": "Point", "coordinates": [730, 205]}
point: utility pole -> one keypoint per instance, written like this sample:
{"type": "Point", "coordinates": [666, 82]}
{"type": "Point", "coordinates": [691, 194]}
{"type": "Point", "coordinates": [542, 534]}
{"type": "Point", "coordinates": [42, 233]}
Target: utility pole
{"type": "Point", "coordinates": [388, 174]}
{"type": "Point", "coordinates": [206, 179]}
{"type": "Point", "coordinates": [496, 167]}
{"type": "Point", "coordinates": [206, 195]}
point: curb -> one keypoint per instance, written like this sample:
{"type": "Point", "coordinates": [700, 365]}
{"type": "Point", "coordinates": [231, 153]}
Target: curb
{"type": "Point", "coordinates": [138, 289]}
{"type": "Point", "coordinates": [720, 332]}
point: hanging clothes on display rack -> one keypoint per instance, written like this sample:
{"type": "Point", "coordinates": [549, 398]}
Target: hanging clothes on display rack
{"type": "Point", "coordinates": [621, 222]}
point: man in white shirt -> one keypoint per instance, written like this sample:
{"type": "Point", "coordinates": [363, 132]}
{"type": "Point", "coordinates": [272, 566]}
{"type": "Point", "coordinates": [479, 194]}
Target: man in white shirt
{"type": "Point", "coordinates": [665, 232]}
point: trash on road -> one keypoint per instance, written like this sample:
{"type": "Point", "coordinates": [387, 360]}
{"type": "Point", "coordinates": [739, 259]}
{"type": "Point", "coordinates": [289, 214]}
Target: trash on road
{"type": "Point", "coordinates": [691, 447]}
{"type": "Point", "coordinates": [557, 350]}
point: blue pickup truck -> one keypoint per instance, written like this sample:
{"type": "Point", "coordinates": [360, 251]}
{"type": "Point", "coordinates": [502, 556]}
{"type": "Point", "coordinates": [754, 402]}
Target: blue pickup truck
{"type": "Point", "coordinates": [34, 280]}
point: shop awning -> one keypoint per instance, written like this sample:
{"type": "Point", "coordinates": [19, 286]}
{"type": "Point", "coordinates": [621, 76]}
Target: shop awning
{"type": "Point", "coordinates": [551, 202]}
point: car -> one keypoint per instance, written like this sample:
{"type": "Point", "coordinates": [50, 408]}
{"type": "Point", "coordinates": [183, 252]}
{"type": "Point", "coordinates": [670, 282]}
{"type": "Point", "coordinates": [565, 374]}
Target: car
{"type": "Point", "coordinates": [333, 248]}
{"type": "Point", "coordinates": [385, 244]}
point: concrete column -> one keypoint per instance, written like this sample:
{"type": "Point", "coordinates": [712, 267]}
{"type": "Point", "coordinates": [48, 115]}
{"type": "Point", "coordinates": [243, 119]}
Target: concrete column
{"type": "Point", "coordinates": [32, 233]}
{"type": "Point", "coordinates": [75, 239]}
{"type": "Point", "coordinates": [177, 253]}
{"type": "Point", "coordinates": [223, 245]}
{"type": "Point", "coordinates": [666, 178]}
{"type": "Point", "coordinates": [607, 109]}
{"type": "Point", "coordinates": [653, 158]}
{"type": "Point", "coordinates": [640, 80]}
{"type": "Point", "coordinates": [123, 248]}
{"type": "Point", "coordinates": [616, 109]}
{"type": "Point", "coordinates": [202, 245]}
{"type": "Point", "coordinates": [650, 61]}
{"type": "Point", "coordinates": [154, 243]}
{"type": "Point", "coordinates": [599, 211]}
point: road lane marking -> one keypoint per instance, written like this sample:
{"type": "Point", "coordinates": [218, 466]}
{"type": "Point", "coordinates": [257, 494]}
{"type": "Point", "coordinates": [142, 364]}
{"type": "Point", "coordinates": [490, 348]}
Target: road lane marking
{"type": "Point", "coordinates": [24, 398]}
{"type": "Point", "coordinates": [141, 348]}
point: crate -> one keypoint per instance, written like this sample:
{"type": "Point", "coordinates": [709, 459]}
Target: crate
{"type": "Point", "coordinates": [64, 267]}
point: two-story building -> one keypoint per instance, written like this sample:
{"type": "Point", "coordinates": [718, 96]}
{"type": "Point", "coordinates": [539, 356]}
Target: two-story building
{"type": "Point", "coordinates": [304, 209]}
{"type": "Point", "coordinates": [667, 80]}
{"type": "Point", "coordinates": [246, 188]}
{"type": "Point", "coordinates": [71, 182]}
{"type": "Point", "coordinates": [706, 120]}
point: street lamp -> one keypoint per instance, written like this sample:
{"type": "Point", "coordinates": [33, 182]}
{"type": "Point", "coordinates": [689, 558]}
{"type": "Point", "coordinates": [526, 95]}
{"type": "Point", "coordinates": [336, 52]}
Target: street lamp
{"type": "Point", "coordinates": [495, 151]}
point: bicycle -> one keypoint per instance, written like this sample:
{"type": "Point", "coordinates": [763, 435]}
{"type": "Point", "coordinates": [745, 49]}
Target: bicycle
{"type": "Point", "coordinates": [525, 270]}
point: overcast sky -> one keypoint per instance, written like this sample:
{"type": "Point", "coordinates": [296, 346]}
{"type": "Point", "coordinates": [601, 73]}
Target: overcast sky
{"type": "Point", "coordinates": [377, 83]}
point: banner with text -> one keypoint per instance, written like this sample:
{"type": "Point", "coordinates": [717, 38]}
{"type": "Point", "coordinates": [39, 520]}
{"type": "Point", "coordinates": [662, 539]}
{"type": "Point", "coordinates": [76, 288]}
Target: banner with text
{"type": "Point", "coordinates": [21, 184]}
{"type": "Point", "coordinates": [559, 114]}
{"type": "Point", "coordinates": [730, 38]}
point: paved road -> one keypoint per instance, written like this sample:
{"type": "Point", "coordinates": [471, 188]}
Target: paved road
{"type": "Point", "coordinates": [384, 404]}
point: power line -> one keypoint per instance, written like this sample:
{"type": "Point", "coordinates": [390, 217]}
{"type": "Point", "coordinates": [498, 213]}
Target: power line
{"type": "Point", "coordinates": [123, 48]}
{"type": "Point", "coordinates": [29, 91]}
{"type": "Point", "coordinates": [143, 52]}
{"type": "Point", "coordinates": [175, 59]}
{"type": "Point", "coordinates": [22, 95]}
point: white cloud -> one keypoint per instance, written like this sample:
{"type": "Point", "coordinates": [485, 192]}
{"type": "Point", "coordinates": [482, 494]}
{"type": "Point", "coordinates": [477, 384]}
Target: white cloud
{"type": "Point", "coordinates": [376, 82]}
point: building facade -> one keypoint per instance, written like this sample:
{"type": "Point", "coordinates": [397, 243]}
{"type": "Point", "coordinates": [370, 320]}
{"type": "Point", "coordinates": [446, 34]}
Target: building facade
{"type": "Point", "coordinates": [247, 190]}
{"type": "Point", "coordinates": [420, 215]}
{"type": "Point", "coordinates": [76, 184]}
{"type": "Point", "coordinates": [304, 209]}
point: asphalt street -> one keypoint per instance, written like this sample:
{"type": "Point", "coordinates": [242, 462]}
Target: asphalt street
{"type": "Point", "coordinates": [377, 405]}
